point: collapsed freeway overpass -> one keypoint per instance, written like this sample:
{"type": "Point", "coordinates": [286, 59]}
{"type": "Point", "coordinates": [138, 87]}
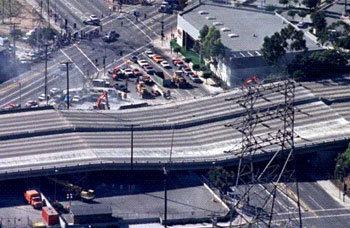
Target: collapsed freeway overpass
{"type": "Point", "coordinates": [40, 141]}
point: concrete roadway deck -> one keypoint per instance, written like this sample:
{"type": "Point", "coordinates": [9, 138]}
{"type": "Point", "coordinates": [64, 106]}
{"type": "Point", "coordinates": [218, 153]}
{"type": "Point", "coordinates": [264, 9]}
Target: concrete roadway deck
{"type": "Point", "coordinates": [39, 141]}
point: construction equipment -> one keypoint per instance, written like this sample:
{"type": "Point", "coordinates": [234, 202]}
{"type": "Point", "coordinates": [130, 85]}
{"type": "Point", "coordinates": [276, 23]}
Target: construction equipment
{"type": "Point", "coordinates": [33, 198]}
{"type": "Point", "coordinates": [102, 101]}
{"type": "Point", "coordinates": [77, 191]}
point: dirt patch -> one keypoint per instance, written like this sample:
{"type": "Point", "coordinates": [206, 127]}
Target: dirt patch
{"type": "Point", "coordinates": [19, 12]}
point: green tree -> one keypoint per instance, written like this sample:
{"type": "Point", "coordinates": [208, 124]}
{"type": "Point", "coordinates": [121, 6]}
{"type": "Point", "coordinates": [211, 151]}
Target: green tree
{"type": "Point", "coordinates": [211, 45]}
{"type": "Point", "coordinates": [319, 21]}
{"type": "Point", "coordinates": [311, 4]}
{"type": "Point", "coordinates": [302, 14]}
{"type": "Point", "coordinates": [221, 178]}
{"type": "Point", "coordinates": [291, 13]}
{"type": "Point", "coordinates": [342, 167]}
{"type": "Point", "coordinates": [273, 49]}
{"type": "Point", "coordinates": [177, 50]}
{"type": "Point", "coordinates": [319, 64]}
{"type": "Point", "coordinates": [283, 2]}
{"type": "Point", "coordinates": [298, 42]}
{"type": "Point", "coordinates": [203, 33]}
{"type": "Point", "coordinates": [196, 67]}
{"type": "Point", "coordinates": [206, 75]}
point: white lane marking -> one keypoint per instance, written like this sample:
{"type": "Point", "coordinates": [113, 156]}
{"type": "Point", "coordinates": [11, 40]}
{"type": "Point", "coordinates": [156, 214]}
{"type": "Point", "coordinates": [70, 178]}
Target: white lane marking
{"type": "Point", "coordinates": [139, 28]}
{"type": "Point", "coordinates": [73, 62]}
{"type": "Point", "coordinates": [270, 195]}
{"type": "Point", "coordinates": [29, 91]}
{"type": "Point", "coordinates": [316, 217]}
{"type": "Point", "coordinates": [87, 57]}
{"type": "Point", "coordinates": [317, 204]}
{"type": "Point", "coordinates": [126, 56]}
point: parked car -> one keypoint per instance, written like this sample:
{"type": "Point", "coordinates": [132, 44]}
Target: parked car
{"type": "Point", "coordinates": [157, 58]}
{"type": "Point", "coordinates": [149, 69]}
{"type": "Point", "coordinates": [112, 36]}
{"type": "Point", "coordinates": [31, 104]}
{"type": "Point", "coordinates": [143, 62]}
{"type": "Point", "coordinates": [54, 91]}
{"type": "Point", "coordinates": [149, 53]}
{"type": "Point", "coordinates": [92, 20]}
{"type": "Point", "coordinates": [134, 59]}
{"type": "Point", "coordinates": [165, 64]}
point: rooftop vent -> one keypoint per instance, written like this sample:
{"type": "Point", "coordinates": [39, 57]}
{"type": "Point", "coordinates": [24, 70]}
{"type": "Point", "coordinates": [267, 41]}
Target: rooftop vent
{"type": "Point", "coordinates": [202, 12]}
{"type": "Point", "coordinates": [217, 23]}
{"type": "Point", "coordinates": [233, 35]}
{"type": "Point", "coordinates": [225, 29]}
{"type": "Point", "coordinates": [210, 18]}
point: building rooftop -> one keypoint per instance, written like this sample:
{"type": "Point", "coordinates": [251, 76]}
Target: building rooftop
{"type": "Point", "coordinates": [242, 29]}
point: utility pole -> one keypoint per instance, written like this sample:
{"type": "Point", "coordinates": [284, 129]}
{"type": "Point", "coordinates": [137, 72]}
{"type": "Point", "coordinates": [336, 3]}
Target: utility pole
{"type": "Point", "coordinates": [132, 147]}
{"type": "Point", "coordinates": [45, 74]}
{"type": "Point", "coordinates": [162, 29]}
{"type": "Point", "coordinates": [67, 70]}
{"type": "Point", "coordinates": [14, 40]}
{"type": "Point", "coordinates": [48, 13]}
{"type": "Point", "coordinates": [104, 62]}
{"type": "Point", "coordinates": [20, 93]}
{"type": "Point", "coordinates": [3, 11]}
{"type": "Point", "coordinates": [165, 172]}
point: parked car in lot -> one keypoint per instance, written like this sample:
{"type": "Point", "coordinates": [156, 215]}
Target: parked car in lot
{"type": "Point", "coordinates": [42, 97]}
{"type": "Point", "coordinates": [165, 64]}
{"type": "Point", "coordinates": [302, 24]}
{"type": "Point", "coordinates": [149, 69]}
{"type": "Point", "coordinates": [31, 104]}
{"type": "Point", "coordinates": [186, 70]}
{"type": "Point", "coordinates": [134, 59]}
{"type": "Point", "coordinates": [143, 62]}
{"type": "Point", "coordinates": [76, 99]}
{"type": "Point", "coordinates": [92, 20]}
{"type": "Point", "coordinates": [179, 63]}
{"type": "Point", "coordinates": [121, 87]}
{"type": "Point", "coordinates": [137, 72]}
{"type": "Point", "coordinates": [54, 91]}
{"type": "Point", "coordinates": [149, 53]}
{"type": "Point", "coordinates": [157, 58]}
{"type": "Point", "coordinates": [194, 78]}
{"type": "Point", "coordinates": [128, 72]}
{"type": "Point", "coordinates": [112, 36]}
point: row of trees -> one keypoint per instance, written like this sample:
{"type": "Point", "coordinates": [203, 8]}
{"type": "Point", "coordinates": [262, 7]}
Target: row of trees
{"type": "Point", "coordinates": [276, 46]}
{"type": "Point", "coordinates": [318, 64]}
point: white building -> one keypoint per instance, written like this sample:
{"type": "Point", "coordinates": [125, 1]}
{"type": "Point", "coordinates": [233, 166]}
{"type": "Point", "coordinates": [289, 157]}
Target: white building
{"type": "Point", "coordinates": [242, 31]}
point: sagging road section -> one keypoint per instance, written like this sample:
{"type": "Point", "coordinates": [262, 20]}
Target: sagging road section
{"type": "Point", "coordinates": [191, 134]}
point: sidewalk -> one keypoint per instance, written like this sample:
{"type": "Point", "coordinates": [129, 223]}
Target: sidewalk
{"type": "Point", "coordinates": [334, 192]}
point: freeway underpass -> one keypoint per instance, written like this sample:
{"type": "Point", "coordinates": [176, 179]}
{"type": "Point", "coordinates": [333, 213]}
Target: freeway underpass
{"type": "Point", "coordinates": [189, 134]}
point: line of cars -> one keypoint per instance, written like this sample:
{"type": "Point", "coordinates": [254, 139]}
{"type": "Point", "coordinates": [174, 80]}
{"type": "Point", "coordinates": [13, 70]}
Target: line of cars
{"type": "Point", "coordinates": [178, 76]}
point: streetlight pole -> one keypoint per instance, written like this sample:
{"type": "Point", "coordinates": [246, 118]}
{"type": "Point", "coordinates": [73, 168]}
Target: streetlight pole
{"type": "Point", "coordinates": [67, 71]}
{"type": "Point", "coordinates": [132, 147]}
{"type": "Point", "coordinates": [56, 170]}
{"type": "Point", "coordinates": [48, 13]}
{"type": "Point", "coordinates": [20, 94]}
{"type": "Point", "coordinates": [45, 73]}
{"type": "Point", "coordinates": [165, 172]}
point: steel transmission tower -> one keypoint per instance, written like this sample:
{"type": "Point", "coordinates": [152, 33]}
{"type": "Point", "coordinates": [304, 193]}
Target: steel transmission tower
{"type": "Point", "coordinates": [267, 129]}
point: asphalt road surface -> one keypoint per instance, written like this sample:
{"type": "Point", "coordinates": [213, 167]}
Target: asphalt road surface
{"type": "Point", "coordinates": [135, 37]}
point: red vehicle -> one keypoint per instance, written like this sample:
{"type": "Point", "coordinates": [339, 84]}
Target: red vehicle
{"type": "Point", "coordinates": [33, 198]}
{"type": "Point", "coordinates": [137, 72]}
{"type": "Point", "coordinates": [11, 106]}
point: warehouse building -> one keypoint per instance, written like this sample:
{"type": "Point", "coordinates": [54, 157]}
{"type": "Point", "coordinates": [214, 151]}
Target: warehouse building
{"type": "Point", "coordinates": [242, 32]}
